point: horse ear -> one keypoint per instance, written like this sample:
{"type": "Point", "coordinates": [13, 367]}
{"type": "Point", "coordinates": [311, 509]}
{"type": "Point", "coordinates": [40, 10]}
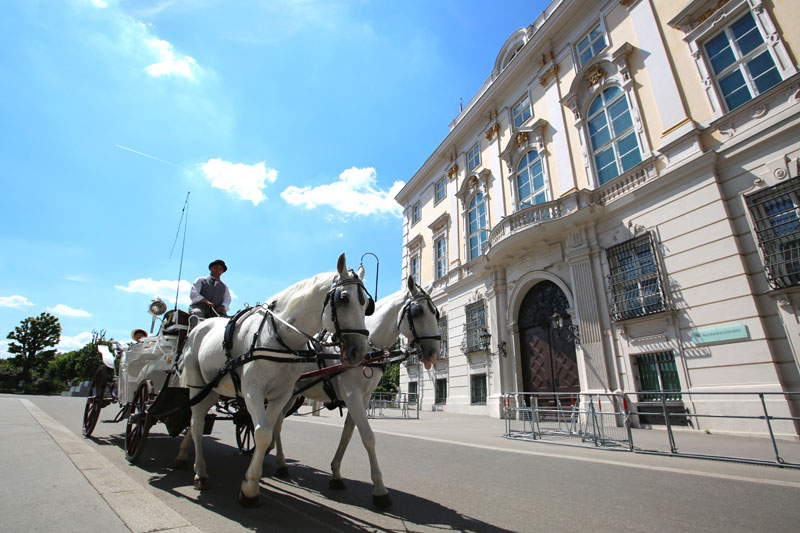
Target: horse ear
{"type": "Point", "coordinates": [360, 272]}
{"type": "Point", "coordinates": [341, 266]}
{"type": "Point", "coordinates": [411, 284]}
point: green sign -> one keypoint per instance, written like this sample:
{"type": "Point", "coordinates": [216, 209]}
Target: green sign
{"type": "Point", "coordinates": [726, 333]}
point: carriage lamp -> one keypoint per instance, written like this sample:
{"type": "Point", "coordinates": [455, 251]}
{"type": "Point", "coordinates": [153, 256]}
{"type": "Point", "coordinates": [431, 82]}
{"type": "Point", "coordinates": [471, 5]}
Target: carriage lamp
{"type": "Point", "coordinates": [157, 307]}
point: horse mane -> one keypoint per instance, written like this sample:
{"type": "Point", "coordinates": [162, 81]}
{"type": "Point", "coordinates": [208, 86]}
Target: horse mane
{"type": "Point", "coordinates": [291, 297]}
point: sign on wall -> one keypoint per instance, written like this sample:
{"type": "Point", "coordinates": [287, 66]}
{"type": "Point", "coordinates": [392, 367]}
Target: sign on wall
{"type": "Point", "coordinates": [724, 333]}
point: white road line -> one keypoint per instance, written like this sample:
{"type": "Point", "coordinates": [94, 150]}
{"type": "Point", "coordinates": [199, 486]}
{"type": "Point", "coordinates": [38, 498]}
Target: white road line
{"type": "Point", "coordinates": [731, 477]}
{"type": "Point", "coordinates": [140, 510]}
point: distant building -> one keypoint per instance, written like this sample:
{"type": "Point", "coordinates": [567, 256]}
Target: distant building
{"type": "Point", "coordinates": [630, 167]}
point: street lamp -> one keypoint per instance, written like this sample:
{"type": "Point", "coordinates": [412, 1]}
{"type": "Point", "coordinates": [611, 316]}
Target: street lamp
{"type": "Point", "coordinates": [484, 338]}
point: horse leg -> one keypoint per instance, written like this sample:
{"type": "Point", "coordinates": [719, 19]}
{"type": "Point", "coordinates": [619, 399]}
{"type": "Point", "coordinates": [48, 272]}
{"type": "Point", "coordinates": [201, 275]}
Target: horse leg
{"type": "Point", "coordinates": [182, 460]}
{"type": "Point", "coordinates": [356, 408]}
{"type": "Point", "coordinates": [336, 482]}
{"type": "Point", "coordinates": [198, 422]}
{"type": "Point", "coordinates": [263, 423]}
{"type": "Point", "coordinates": [282, 470]}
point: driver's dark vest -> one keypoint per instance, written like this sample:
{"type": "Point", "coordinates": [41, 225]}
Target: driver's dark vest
{"type": "Point", "coordinates": [214, 292]}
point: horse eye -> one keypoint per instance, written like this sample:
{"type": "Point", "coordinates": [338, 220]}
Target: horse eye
{"type": "Point", "coordinates": [344, 297]}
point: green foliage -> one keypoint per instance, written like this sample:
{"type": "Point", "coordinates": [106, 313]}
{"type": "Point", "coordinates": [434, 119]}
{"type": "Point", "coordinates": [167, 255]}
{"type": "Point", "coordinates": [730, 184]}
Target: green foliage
{"type": "Point", "coordinates": [30, 344]}
{"type": "Point", "coordinates": [390, 381]}
{"type": "Point", "coordinates": [79, 365]}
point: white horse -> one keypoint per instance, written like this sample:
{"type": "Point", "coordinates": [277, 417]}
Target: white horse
{"type": "Point", "coordinates": [279, 332]}
{"type": "Point", "coordinates": [409, 311]}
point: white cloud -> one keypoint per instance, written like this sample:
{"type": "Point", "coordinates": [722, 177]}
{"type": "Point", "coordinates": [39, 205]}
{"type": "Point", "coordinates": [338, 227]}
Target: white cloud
{"type": "Point", "coordinates": [99, 3]}
{"type": "Point", "coordinates": [170, 62]}
{"type": "Point", "coordinates": [65, 310]}
{"type": "Point", "coordinates": [14, 302]}
{"type": "Point", "coordinates": [164, 289]}
{"type": "Point", "coordinates": [355, 193]}
{"type": "Point", "coordinates": [4, 350]}
{"type": "Point", "coordinates": [68, 344]}
{"type": "Point", "coordinates": [76, 278]}
{"type": "Point", "coordinates": [246, 181]}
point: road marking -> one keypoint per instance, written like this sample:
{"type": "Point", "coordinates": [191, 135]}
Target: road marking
{"type": "Point", "coordinates": [730, 477]}
{"type": "Point", "coordinates": [139, 510]}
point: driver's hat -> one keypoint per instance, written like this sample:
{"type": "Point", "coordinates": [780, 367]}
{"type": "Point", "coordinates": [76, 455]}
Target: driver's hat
{"type": "Point", "coordinates": [219, 262]}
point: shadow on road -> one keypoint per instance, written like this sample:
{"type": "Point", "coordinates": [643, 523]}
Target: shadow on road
{"type": "Point", "coordinates": [305, 503]}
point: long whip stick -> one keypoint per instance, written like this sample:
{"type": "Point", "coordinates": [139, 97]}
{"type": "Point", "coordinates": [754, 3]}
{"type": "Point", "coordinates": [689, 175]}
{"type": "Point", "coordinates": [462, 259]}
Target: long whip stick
{"type": "Point", "coordinates": [185, 211]}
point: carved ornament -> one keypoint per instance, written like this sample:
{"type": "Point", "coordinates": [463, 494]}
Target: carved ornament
{"type": "Point", "coordinates": [522, 138]}
{"type": "Point", "coordinates": [594, 75]}
{"type": "Point", "coordinates": [452, 172]}
{"type": "Point", "coordinates": [492, 131]}
{"type": "Point", "coordinates": [543, 79]}
{"type": "Point", "coordinates": [707, 14]}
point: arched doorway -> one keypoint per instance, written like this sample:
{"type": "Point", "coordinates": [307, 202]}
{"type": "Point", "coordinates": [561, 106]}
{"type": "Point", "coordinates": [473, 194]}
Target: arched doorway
{"type": "Point", "coordinates": [549, 363]}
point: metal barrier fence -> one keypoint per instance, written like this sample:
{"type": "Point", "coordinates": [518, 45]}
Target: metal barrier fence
{"type": "Point", "coordinates": [393, 405]}
{"type": "Point", "coordinates": [624, 422]}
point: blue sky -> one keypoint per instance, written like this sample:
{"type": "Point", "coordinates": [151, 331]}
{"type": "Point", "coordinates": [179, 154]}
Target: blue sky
{"type": "Point", "coordinates": [292, 124]}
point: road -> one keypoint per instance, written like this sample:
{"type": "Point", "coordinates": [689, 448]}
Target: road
{"type": "Point", "coordinates": [450, 482]}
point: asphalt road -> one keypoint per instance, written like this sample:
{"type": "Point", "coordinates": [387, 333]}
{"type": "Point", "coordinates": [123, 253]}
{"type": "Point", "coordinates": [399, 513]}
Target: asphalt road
{"type": "Point", "coordinates": [447, 484]}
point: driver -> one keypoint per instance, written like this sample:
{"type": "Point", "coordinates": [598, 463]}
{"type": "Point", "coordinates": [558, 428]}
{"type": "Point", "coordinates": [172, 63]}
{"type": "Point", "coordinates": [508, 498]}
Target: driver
{"type": "Point", "coordinates": [210, 296]}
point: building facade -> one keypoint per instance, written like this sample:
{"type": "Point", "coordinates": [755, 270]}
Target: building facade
{"type": "Point", "coordinates": [629, 170]}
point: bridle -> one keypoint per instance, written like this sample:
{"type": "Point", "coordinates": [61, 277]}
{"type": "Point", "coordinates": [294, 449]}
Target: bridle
{"type": "Point", "coordinates": [412, 309]}
{"type": "Point", "coordinates": [338, 294]}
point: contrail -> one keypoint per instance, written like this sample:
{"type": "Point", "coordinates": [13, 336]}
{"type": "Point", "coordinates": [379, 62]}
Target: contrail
{"type": "Point", "coordinates": [144, 155]}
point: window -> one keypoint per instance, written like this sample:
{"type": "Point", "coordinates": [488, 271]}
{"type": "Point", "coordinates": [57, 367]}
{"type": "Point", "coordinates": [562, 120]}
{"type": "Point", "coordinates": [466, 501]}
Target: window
{"type": "Point", "coordinates": [591, 45]}
{"type": "Point", "coordinates": [657, 372]}
{"type": "Point", "coordinates": [415, 214]}
{"type": "Point", "coordinates": [412, 392]}
{"type": "Point", "coordinates": [415, 268]}
{"type": "Point", "coordinates": [441, 257]}
{"type": "Point", "coordinates": [476, 223]}
{"type": "Point", "coordinates": [441, 391]}
{"type": "Point", "coordinates": [614, 145]}
{"type": "Point", "coordinates": [478, 389]}
{"type": "Point", "coordinates": [443, 333]}
{"type": "Point", "coordinates": [776, 218]}
{"type": "Point", "coordinates": [474, 326]}
{"type": "Point", "coordinates": [521, 111]}
{"type": "Point", "coordinates": [635, 280]}
{"type": "Point", "coordinates": [474, 157]}
{"type": "Point", "coordinates": [530, 180]}
{"type": "Point", "coordinates": [440, 191]}
{"type": "Point", "coordinates": [741, 63]}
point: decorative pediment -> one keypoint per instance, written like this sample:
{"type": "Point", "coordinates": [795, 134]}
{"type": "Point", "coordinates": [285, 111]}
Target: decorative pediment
{"type": "Point", "coordinates": [452, 172]}
{"type": "Point", "coordinates": [414, 243]}
{"type": "Point", "coordinates": [603, 69]}
{"type": "Point", "coordinates": [526, 138]}
{"type": "Point", "coordinates": [696, 13]}
{"type": "Point", "coordinates": [441, 222]}
{"type": "Point", "coordinates": [474, 183]}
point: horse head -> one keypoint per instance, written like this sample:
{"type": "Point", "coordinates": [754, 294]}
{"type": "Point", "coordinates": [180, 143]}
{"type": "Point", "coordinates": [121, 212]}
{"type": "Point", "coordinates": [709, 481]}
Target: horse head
{"type": "Point", "coordinates": [343, 312]}
{"type": "Point", "coordinates": [418, 321]}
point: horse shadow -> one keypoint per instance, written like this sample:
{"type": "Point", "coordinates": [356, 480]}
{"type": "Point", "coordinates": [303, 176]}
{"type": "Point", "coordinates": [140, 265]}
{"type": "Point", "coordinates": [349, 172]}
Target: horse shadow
{"type": "Point", "coordinates": [303, 503]}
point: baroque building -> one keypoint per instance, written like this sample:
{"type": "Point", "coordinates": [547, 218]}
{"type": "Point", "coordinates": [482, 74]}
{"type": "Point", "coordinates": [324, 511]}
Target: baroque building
{"type": "Point", "coordinates": [629, 171]}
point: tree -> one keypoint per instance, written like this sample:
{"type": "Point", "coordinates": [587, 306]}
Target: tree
{"type": "Point", "coordinates": [30, 341]}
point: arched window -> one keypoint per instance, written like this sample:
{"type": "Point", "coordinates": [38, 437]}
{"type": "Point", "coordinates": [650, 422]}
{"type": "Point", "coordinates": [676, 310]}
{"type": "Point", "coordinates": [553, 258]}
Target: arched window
{"type": "Point", "coordinates": [530, 180]}
{"type": "Point", "coordinates": [476, 221]}
{"type": "Point", "coordinates": [615, 148]}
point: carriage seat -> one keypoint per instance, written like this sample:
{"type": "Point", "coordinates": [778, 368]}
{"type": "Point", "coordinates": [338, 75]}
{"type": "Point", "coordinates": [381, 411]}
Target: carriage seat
{"type": "Point", "coordinates": [176, 322]}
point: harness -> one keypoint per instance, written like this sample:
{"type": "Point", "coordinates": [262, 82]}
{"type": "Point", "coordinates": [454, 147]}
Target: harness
{"type": "Point", "coordinates": [256, 352]}
{"type": "Point", "coordinates": [412, 309]}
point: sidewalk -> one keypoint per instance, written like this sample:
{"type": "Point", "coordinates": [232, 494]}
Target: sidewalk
{"type": "Point", "coordinates": [55, 481]}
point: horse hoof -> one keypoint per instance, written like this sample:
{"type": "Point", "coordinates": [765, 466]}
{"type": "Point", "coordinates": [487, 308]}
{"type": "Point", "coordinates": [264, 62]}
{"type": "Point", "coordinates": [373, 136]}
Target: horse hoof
{"type": "Point", "coordinates": [382, 502]}
{"type": "Point", "coordinates": [181, 464]}
{"type": "Point", "coordinates": [247, 502]}
{"type": "Point", "coordinates": [201, 483]}
{"type": "Point", "coordinates": [336, 484]}
{"type": "Point", "coordinates": [283, 473]}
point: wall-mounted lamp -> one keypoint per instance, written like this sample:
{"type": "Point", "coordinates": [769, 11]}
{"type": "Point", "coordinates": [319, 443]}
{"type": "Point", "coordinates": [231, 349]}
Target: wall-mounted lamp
{"type": "Point", "coordinates": [484, 337]}
{"type": "Point", "coordinates": [572, 331]}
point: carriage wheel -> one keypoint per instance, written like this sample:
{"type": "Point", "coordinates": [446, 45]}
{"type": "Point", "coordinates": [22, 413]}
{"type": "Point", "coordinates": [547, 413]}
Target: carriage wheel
{"type": "Point", "coordinates": [138, 424]}
{"type": "Point", "coordinates": [94, 402]}
{"type": "Point", "coordinates": [245, 436]}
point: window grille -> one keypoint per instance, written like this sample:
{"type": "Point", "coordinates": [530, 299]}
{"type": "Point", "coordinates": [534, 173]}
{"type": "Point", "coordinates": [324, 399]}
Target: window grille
{"type": "Point", "coordinates": [412, 392]}
{"type": "Point", "coordinates": [443, 333]}
{"type": "Point", "coordinates": [474, 157]}
{"type": "Point", "coordinates": [476, 226]}
{"type": "Point", "coordinates": [522, 111]}
{"type": "Point", "coordinates": [635, 281]}
{"type": "Point", "coordinates": [657, 372]}
{"type": "Point", "coordinates": [478, 389]}
{"type": "Point", "coordinates": [441, 391]}
{"type": "Point", "coordinates": [440, 189]}
{"type": "Point", "coordinates": [591, 45]}
{"type": "Point", "coordinates": [530, 180]}
{"type": "Point", "coordinates": [777, 226]}
{"type": "Point", "coordinates": [415, 268]}
{"type": "Point", "coordinates": [441, 257]}
{"type": "Point", "coordinates": [415, 213]}
{"type": "Point", "coordinates": [473, 327]}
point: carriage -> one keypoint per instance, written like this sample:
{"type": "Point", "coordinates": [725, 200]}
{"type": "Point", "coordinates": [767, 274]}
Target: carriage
{"type": "Point", "coordinates": [142, 379]}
